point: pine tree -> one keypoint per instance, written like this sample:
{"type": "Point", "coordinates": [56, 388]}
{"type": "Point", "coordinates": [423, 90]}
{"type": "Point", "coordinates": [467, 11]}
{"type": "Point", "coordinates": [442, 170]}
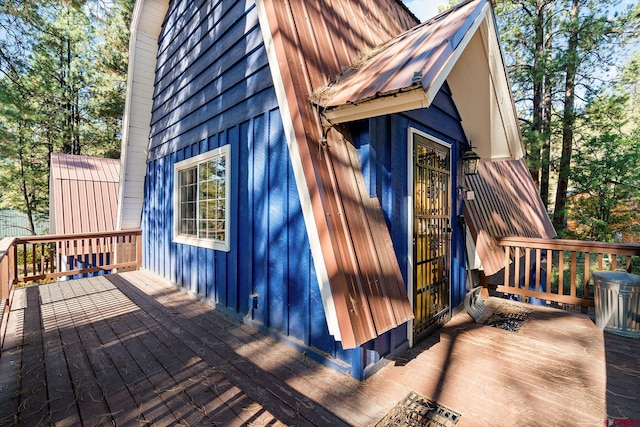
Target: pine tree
{"type": "Point", "coordinates": [560, 54]}
{"type": "Point", "coordinates": [62, 84]}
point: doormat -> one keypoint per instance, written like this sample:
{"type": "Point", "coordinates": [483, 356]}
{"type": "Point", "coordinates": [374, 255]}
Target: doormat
{"type": "Point", "coordinates": [416, 410]}
{"type": "Point", "coordinates": [508, 317]}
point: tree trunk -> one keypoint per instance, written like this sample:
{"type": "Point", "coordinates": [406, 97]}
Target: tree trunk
{"type": "Point", "coordinates": [25, 195]}
{"type": "Point", "coordinates": [538, 94]}
{"type": "Point", "coordinates": [568, 121]}
{"type": "Point", "coordinates": [546, 128]}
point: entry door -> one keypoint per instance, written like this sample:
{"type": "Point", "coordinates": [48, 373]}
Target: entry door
{"type": "Point", "coordinates": [431, 235]}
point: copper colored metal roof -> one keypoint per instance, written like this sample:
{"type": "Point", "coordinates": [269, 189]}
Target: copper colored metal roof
{"type": "Point", "coordinates": [314, 41]}
{"type": "Point", "coordinates": [411, 61]}
{"type": "Point", "coordinates": [84, 193]}
{"type": "Point", "coordinates": [506, 204]}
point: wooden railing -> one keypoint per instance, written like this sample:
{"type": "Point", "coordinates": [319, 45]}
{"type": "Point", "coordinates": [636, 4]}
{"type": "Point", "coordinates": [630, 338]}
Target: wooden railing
{"type": "Point", "coordinates": [559, 272]}
{"type": "Point", "coordinates": [41, 258]}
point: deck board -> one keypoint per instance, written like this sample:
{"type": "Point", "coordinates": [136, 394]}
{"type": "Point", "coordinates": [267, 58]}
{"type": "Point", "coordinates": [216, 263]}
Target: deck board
{"type": "Point", "coordinates": [128, 349]}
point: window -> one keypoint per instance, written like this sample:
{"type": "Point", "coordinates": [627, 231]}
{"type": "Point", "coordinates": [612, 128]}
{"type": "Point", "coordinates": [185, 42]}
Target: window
{"type": "Point", "coordinates": [202, 200]}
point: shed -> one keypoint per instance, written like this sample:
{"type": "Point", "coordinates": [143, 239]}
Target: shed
{"type": "Point", "coordinates": [303, 162]}
{"type": "Point", "coordinates": [83, 194]}
{"type": "Point", "coordinates": [83, 198]}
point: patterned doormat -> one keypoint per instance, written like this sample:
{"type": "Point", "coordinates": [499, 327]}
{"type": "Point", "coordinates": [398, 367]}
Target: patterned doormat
{"type": "Point", "coordinates": [508, 317]}
{"type": "Point", "coordinates": [416, 410]}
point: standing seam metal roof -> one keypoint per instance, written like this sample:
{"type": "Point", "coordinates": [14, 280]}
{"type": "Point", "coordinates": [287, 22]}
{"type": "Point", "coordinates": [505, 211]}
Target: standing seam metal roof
{"type": "Point", "coordinates": [412, 60]}
{"type": "Point", "coordinates": [84, 193]}
{"type": "Point", "coordinates": [506, 204]}
{"type": "Point", "coordinates": [313, 41]}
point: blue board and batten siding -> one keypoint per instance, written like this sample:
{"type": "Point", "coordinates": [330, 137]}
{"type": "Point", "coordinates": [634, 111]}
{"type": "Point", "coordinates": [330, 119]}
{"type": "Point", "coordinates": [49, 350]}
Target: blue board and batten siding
{"type": "Point", "coordinates": [213, 87]}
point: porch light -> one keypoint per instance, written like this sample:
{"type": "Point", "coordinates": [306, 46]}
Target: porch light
{"type": "Point", "coordinates": [470, 162]}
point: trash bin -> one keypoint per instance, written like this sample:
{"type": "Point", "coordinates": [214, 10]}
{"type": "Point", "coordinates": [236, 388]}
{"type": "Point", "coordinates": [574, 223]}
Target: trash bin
{"type": "Point", "coordinates": [617, 302]}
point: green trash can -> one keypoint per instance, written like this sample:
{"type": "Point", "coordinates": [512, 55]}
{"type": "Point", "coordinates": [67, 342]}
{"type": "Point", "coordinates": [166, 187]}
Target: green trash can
{"type": "Point", "coordinates": [617, 302]}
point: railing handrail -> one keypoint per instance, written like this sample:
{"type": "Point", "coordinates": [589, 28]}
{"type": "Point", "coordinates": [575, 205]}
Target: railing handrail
{"type": "Point", "coordinates": [560, 270]}
{"type": "Point", "coordinates": [571, 245]}
{"type": "Point", "coordinates": [75, 236]}
{"type": "Point", "coordinates": [5, 245]}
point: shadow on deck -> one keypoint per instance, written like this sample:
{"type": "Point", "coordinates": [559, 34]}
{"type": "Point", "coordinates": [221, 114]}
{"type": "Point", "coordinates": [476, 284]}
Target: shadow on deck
{"type": "Point", "coordinates": [128, 349]}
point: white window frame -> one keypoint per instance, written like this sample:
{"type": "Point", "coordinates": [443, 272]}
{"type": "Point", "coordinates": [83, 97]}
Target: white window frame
{"type": "Point", "coordinates": [221, 245]}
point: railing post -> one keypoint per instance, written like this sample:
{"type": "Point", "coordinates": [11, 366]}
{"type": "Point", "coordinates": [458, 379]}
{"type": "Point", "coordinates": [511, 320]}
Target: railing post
{"type": "Point", "coordinates": [139, 250]}
{"type": "Point", "coordinates": [4, 277]}
{"type": "Point", "coordinates": [6, 270]}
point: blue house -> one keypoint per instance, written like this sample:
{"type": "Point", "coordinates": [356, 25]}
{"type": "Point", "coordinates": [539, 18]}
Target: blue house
{"type": "Point", "coordinates": [298, 164]}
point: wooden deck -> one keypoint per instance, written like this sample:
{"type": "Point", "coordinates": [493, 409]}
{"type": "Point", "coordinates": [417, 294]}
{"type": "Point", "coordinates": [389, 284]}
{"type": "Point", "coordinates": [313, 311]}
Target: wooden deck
{"type": "Point", "coordinates": [129, 350]}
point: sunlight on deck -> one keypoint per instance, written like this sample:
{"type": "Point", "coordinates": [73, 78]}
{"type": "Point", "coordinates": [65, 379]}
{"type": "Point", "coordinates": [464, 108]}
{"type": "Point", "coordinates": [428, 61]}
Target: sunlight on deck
{"type": "Point", "coordinates": [127, 348]}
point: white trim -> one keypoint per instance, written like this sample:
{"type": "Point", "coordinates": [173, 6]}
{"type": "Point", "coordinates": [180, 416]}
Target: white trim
{"type": "Point", "coordinates": [136, 123]}
{"type": "Point", "coordinates": [298, 172]}
{"type": "Point", "coordinates": [384, 105]}
{"type": "Point", "coordinates": [411, 131]}
{"type": "Point", "coordinates": [502, 89]}
{"type": "Point", "coordinates": [410, 208]}
{"type": "Point", "coordinates": [225, 152]}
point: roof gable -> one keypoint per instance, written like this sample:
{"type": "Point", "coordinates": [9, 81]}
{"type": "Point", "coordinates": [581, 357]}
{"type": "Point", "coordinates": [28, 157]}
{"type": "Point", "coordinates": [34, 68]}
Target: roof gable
{"type": "Point", "coordinates": [412, 61]}
{"type": "Point", "coordinates": [460, 46]}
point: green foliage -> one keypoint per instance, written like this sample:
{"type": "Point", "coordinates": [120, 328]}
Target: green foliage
{"type": "Point", "coordinates": [605, 178]}
{"type": "Point", "coordinates": [606, 172]}
{"type": "Point", "coordinates": [561, 56]}
{"type": "Point", "coordinates": [62, 87]}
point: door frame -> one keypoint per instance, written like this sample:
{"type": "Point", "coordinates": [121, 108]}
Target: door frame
{"type": "Point", "coordinates": [410, 217]}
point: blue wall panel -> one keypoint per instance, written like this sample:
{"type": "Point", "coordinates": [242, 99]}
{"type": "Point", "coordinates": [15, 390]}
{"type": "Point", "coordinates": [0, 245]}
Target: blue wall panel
{"type": "Point", "coordinates": [277, 231]}
{"type": "Point", "coordinates": [244, 238]}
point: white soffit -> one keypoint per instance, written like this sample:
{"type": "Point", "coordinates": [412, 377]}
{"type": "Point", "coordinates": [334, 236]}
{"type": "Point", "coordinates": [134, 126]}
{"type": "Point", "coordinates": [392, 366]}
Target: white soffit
{"type": "Point", "coordinates": [482, 94]}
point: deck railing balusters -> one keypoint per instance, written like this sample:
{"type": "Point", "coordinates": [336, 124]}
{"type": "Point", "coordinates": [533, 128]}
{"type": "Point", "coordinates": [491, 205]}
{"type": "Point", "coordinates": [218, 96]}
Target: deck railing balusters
{"type": "Point", "coordinates": [566, 261]}
{"type": "Point", "coordinates": [27, 259]}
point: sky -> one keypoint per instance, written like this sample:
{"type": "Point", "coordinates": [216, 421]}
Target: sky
{"type": "Point", "coordinates": [425, 9]}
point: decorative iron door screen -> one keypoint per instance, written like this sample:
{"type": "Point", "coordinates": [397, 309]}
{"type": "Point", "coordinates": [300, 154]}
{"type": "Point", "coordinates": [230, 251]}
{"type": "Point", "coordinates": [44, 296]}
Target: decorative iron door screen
{"type": "Point", "coordinates": [431, 235]}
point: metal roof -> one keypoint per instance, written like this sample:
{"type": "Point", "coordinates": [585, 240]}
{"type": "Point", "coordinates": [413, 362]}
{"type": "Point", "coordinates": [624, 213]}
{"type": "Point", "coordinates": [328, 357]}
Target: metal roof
{"type": "Point", "coordinates": [460, 46]}
{"type": "Point", "coordinates": [83, 194]}
{"type": "Point", "coordinates": [506, 204]}
{"type": "Point", "coordinates": [309, 43]}
{"type": "Point", "coordinates": [410, 61]}
{"type": "Point", "coordinates": [15, 224]}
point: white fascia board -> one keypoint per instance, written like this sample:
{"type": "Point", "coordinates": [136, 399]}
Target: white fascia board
{"type": "Point", "coordinates": [502, 89]}
{"type": "Point", "coordinates": [146, 24]}
{"type": "Point", "coordinates": [381, 106]}
{"type": "Point", "coordinates": [298, 172]}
